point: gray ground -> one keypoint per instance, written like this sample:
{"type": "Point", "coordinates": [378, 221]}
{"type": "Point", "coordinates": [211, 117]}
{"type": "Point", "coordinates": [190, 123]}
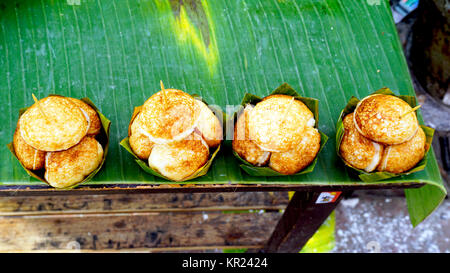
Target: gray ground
{"type": "Point", "coordinates": [377, 221]}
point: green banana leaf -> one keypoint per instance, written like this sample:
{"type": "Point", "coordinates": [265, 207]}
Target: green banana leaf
{"type": "Point", "coordinates": [116, 52]}
{"type": "Point", "coordinates": [102, 138]}
{"type": "Point", "coordinates": [284, 89]}
{"type": "Point", "coordinates": [377, 176]}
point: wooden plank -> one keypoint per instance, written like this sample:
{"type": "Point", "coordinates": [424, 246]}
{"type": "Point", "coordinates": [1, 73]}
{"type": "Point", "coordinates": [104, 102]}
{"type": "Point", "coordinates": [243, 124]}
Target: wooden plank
{"type": "Point", "coordinates": [140, 231]}
{"type": "Point", "coordinates": [127, 203]}
{"type": "Point", "coordinates": [40, 190]}
{"type": "Point", "coordinates": [300, 221]}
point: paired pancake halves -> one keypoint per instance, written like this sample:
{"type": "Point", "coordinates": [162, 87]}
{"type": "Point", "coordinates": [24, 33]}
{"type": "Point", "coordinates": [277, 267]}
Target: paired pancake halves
{"type": "Point", "coordinates": [385, 119]}
{"type": "Point", "coordinates": [58, 133]}
{"type": "Point", "coordinates": [66, 168]}
{"type": "Point", "coordinates": [173, 132]}
{"type": "Point", "coordinates": [30, 158]}
{"type": "Point", "coordinates": [382, 134]}
{"type": "Point", "coordinates": [179, 159]}
{"type": "Point", "coordinates": [277, 132]}
{"type": "Point", "coordinates": [54, 123]}
{"type": "Point", "coordinates": [277, 123]}
{"type": "Point", "coordinates": [357, 150]}
{"type": "Point", "coordinates": [245, 147]}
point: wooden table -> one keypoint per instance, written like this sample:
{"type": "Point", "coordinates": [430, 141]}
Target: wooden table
{"type": "Point", "coordinates": [300, 220]}
{"type": "Point", "coordinates": [116, 52]}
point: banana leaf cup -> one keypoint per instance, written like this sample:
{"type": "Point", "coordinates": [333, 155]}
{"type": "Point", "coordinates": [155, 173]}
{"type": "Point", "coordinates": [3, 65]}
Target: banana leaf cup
{"type": "Point", "coordinates": [102, 138]}
{"type": "Point", "coordinates": [284, 89]}
{"type": "Point", "coordinates": [144, 165]}
{"type": "Point", "coordinates": [377, 175]}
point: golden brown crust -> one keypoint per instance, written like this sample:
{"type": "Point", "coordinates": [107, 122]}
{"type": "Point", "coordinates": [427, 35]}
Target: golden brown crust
{"type": "Point", "coordinates": [169, 116]}
{"type": "Point", "coordinates": [277, 123]}
{"type": "Point", "coordinates": [94, 120]}
{"type": "Point", "coordinates": [30, 158]}
{"type": "Point", "coordinates": [402, 157]}
{"type": "Point", "coordinates": [139, 143]}
{"type": "Point", "coordinates": [209, 125]}
{"type": "Point", "coordinates": [357, 150]}
{"type": "Point", "coordinates": [66, 168]}
{"type": "Point", "coordinates": [63, 126]}
{"type": "Point", "coordinates": [179, 159]}
{"type": "Point", "coordinates": [242, 144]}
{"type": "Point", "coordinates": [300, 156]}
{"type": "Point", "coordinates": [380, 118]}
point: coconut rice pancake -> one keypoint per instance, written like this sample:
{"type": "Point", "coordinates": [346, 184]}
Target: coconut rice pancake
{"type": "Point", "coordinates": [300, 156]}
{"type": "Point", "coordinates": [139, 142]}
{"type": "Point", "coordinates": [179, 159]}
{"type": "Point", "coordinates": [94, 120]}
{"type": "Point", "coordinates": [277, 123]}
{"type": "Point", "coordinates": [30, 158]}
{"type": "Point", "coordinates": [54, 123]}
{"type": "Point", "coordinates": [66, 168]}
{"type": "Point", "coordinates": [242, 144]}
{"type": "Point", "coordinates": [168, 116]}
{"type": "Point", "coordinates": [357, 150]}
{"type": "Point", "coordinates": [402, 157]}
{"type": "Point", "coordinates": [209, 125]}
{"type": "Point", "coordinates": [383, 118]}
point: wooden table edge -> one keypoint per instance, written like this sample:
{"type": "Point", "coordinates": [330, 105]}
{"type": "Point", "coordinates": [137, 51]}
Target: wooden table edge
{"type": "Point", "coordinates": [29, 190]}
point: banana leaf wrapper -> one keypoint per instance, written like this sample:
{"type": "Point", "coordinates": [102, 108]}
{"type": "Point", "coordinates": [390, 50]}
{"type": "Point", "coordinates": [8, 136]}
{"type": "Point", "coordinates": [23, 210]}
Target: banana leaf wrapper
{"type": "Point", "coordinates": [284, 89]}
{"type": "Point", "coordinates": [102, 138]}
{"type": "Point", "coordinates": [378, 176]}
{"type": "Point", "coordinates": [144, 165]}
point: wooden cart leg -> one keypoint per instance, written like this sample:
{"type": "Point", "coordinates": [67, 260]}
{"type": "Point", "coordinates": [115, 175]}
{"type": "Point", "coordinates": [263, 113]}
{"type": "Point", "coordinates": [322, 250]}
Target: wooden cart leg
{"type": "Point", "coordinates": [301, 219]}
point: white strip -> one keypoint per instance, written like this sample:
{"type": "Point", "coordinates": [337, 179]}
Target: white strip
{"type": "Point", "coordinates": [178, 137]}
{"type": "Point", "coordinates": [87, 119]}
{"type": "Point", "coordinates": [375, 159]}
{"type": "Point", "coordinates": [413, 135]}
{"type": "Point", "coordinates": [47, 156]}
{"type": "Point", "coordinates": [34, 159]}
{"type": "Point", "coordinates": [386, 157]}
{"type": "Point", "coordinates": [311, 122]}
{"type": "Point", "coordinates": [263, 158]}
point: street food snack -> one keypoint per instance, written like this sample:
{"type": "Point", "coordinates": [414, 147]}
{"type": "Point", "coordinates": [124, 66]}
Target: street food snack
{"type": "Point", "coordinates": [169, 115]}
{"type": "Point", "coordinates": [52, 124]}
{"type": "Point", "coordinates": [402, 157]}
{"type": "Point", "coordinates": [93, 119]}
{"type": "Point", "coordinates": [209, 125]}
{"type": "Point", "coordinates": [276, 135]}
{"type": "Point", "coordinates": [278, 122]}
{"type": "Point", "coordinates": [385, 119]}
{"type": "Point", "coordinates": [173, 135]}
{"type": "Point", "coordinates": [380, 136]}
{"type": "Point", "coordinates": [139, 142]}
{"type": "Point", "coordinates": [357, 150]}
{"type": "Point", "coordinates": [66, 168]}
{"type": "Point", "coordinates": [242, 144]}
{"type": "Point", "coordinates": [300, 156]}
{"type": "Point", "coordinates": [179, 159]}
{"type": "Point", "coordinates": [55, 140]}
{"type": "Point", "coordinates": [31, 158]}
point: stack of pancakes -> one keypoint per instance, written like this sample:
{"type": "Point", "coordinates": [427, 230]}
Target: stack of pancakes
{"type": "Point", "coordinates": [382, 134]}
{"type": "Point", "coordinates": [278, 132]}
{"type": "Point", "coordinates": [174, 132]}
{"type": "Point", "coordinates": [58, 133]}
